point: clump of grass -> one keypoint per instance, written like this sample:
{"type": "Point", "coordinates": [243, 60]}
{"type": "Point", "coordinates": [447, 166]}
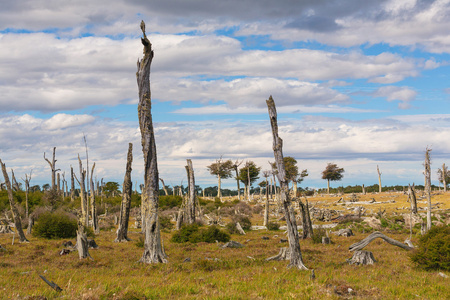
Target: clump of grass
{"type": "Point", "coordinates": [273, 226]}
{"type": "Point", "coordinates": [318, 233]}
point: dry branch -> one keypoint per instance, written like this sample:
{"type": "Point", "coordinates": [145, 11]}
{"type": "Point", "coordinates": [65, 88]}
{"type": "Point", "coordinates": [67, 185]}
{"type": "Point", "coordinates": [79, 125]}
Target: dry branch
{"type": "Point", "coordinates": [363, 243]}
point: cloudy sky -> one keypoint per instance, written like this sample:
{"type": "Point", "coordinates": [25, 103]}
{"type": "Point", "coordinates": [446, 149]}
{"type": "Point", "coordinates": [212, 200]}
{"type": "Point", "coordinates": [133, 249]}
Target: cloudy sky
{"type": "Point", "coordinates": [356, 83]}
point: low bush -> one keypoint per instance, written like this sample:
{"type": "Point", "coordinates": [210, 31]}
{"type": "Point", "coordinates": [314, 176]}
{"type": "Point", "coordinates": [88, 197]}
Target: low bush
{"type": "Point", "coordinates": [244, 221]}
{"type": "Point", "coordinates": [194, 233]}
{"type": "Point", "coordinates": [166, 202]}
{"type": "Point", "coordinates": [165, 223]}
{"type": "Point", "coordinates": [273, 226]}
{"type": "Point", "coordinates": [318, 234]}
{"type": "Point", "coordinates": [54, 226]}
{"type": "Point", "coordinates": [433, 251]}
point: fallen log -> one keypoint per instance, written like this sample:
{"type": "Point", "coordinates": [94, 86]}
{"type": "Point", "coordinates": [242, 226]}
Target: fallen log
{"type": "Point", "coordinates": [363, 243]}
{"type": "Point", "coordinates": [51, 284]}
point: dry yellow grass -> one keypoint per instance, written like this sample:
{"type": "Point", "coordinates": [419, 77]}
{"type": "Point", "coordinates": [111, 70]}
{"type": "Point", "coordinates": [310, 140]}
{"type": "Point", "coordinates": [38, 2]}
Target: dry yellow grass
{"type": "Point", "coordinates": [215, 273]}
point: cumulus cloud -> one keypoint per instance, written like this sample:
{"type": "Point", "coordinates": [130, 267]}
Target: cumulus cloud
{"type": "Point", "coordinates": [392, 93]}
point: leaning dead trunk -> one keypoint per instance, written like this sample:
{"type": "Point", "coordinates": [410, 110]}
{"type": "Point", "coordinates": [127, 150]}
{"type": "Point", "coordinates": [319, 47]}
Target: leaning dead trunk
{"type": "Point", "coordinates": [15, 212]}
{"type": "Point", "coordinates": [164, 187]}
{"type": "Point", "coordinates": [294, 244]}
{"type": "Point", "coordinates": [190, 207]}
{"type": "Point", "coordinates": [363, 243]}
{"type": "Point", "coordinates": [122, 231]}
{"type": "Point", "coordinates": [153, 251]}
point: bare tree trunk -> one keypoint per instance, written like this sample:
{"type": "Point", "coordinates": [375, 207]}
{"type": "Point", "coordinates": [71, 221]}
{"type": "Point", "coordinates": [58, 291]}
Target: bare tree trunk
{"type": "Point", "coordinates": [427, 174]}
{"type": "Point", "coordinates": [84, 213]}
{"type": "Point", "coordinates": [379, 179]}
{"type": "Point", "coordinates": [363, 243]}
{"type": "Point", "coordinates": [266, 210]}
{"type": "Point", "coordinates": [363, 190]}
{"type": "Point", "coordinates": [190, 207]}
{"type": "Point", "coordinates": [53, 168]}
{"type": "Point", "coordinates": [294, 244]}
{"type": "Point", "coordinates": [27, 190]}
{"type": "Point", "coordinates": [412, 198]}
{"type": "Point", "coordinates": [58, 183]}
{"type": "Point", "coordinates": [219, 194]}
{"type": "Point", "coordinates": [306, 220]}
{"type": "Point", "coordinates": [328, 186]}
{"type": "Point", "coordinates": [15, 184]}
{"type": "Point", "coordinates": [15, 212]}
{"type": "Point", "coordinates": [153, 251]}
{"type": "Point", "coordinates": [235, 166]}
{"type": "Point", "coordinates": [444, 173]}
{"type": "Point", "coordinates": [122, 231]}
{"type": "Point", "coordinates": [72, 185]}
{"type": "Point", "coordinates": [164, 187]}
{"type": "Point", "coordinates": [93, 204]}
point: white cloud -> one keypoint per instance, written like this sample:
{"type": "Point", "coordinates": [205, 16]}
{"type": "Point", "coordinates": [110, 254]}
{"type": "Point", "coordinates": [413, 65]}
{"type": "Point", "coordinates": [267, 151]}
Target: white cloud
{"type": "Point", "coordinates": [392, 93]}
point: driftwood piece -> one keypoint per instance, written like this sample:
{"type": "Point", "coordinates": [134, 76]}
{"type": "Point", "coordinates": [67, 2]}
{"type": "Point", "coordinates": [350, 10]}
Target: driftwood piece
{"type": "Point", "coordinates": [363, 243]}
{"type": "Point", "coordinates": [284, 254]}
{"type": "Point", "coordinates": [362, 258]}
{"type": "Point", "coordinates": [6, 229]}
{"type": "Point", "coordinates": [51, 284]}
{"type": "Point", "coordinates": [239, 228]}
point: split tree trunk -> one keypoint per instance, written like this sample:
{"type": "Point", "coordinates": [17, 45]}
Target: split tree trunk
{"type": "Point", "coordinates": [84, 202]}
{"type": "Point", "coordinates": [15, 212]}
{"type": "Point", "coordinates": [412, 198]}
{"type": "Point", "coordinates": [306, 220]}
{"type": "Point", "coordinates": [53, 168]}
{"type": "Point", "coordinates": [153, 251]}
{"type": "Point", "coordinates": [164, 187]}
{"type": "Point", "coordinates": [122, 231]}
{"type": "Point", "coordinates": [294, 243]}
{"type": "Point", "coordinates": [190, 207]}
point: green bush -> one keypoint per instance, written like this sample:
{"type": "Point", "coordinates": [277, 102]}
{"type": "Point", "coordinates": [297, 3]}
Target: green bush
{"type": "Point", "coordinates": [244, 221]}
{"type": "Point", "coordinates": [194, 233]}
{"type": "Point", "coordinates": [54, 226]}
{"type": "Point", "coordinates": [433, 252]}
{"type": "Point", "coordinates": [318, 233]}
{"type": "Point", "coordinates": [273, 226]}
{"type": "Point", "coordinates": [165, 223]}
{"type": "Point", "coordinates": [166, 202]}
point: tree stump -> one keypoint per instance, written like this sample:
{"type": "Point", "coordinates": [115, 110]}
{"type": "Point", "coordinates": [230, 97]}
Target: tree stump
{"type": "Point", "coordinates": [284, 254]}
{"type": "Point", "coordinates": [326, 240]}
{"type": "Point", "coordinates": [239, 228]}
{"type": "Point", "coordinates": [82, 245]}
{"type": "Point", "coordinates": [362, 258]}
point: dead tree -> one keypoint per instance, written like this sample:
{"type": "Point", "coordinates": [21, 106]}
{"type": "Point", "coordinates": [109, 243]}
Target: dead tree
{"type": "Point", "coordinates": [294, 244]}
{"type": "Point", "coordinates": [72, 185]}
{"type": "Point", "coordinates": [379, 179]}
{"type": "Point", "coordinates": [427, 174]}
{"type": "Point", "coordinates": [15, 212]}
{"type": "Point", "coordinates": [94, 215]}
{"type": "Point", "coordinates": [58, 182]}
{"type": "Point", "coordinates": [363, 243]}
{"type": "Point", "coordinates": [164, 187]}
{"type": "Point", "coordinates": [235, 167]}
{"type": "Point", "coordinates": [84, 218]}
{"type": "Point", "coordinates": [122, 231]}
{"type": "Point", "coordinates": [412, 198]}
{"type": "Point", "coordinates": [306, 220]}
{"type": "Point", "coordinates": [190, 207]}
{"type": "Point", "coordinates": [15, 184]}
{"type": "Point", "coordinates": [53, 168]}
{"type": "Point", "coordinates": [26, 181]}
{"type": "Point", "coordinates": [266, 175]}
{"type": "Point", "coordinates": [153, 250]}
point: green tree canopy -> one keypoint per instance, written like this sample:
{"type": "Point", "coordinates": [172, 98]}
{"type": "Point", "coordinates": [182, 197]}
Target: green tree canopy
{"type": "Point", "coordinates": [249, 168]}
{"type": "Point", "coordinates": [111, 188]}
{"type": "Point", "coordinates": [221, 168]}
{"type": "Point", "coordinates": [333, 173]}
{"type": "Point", "coordinates": [292, 173]}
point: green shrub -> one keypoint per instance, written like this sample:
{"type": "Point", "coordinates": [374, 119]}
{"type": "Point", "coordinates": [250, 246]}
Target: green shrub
{"type": "Point", "coordinates": [433, 252]}
{"type": "Point", "coordinates": [244, 221]}
{"type": "Point", "coordinates": [55, 225]}
{"type": "Point", "coordinates": [318, 233]}
{"type": "Point", "coordinates": [194, 233]}
{"type": "Point", "coordinates": [166, 202]}
{"type": "Point", "coordinates": [165, 223]}
{"type": "Point", "coordinates": [273, 226]}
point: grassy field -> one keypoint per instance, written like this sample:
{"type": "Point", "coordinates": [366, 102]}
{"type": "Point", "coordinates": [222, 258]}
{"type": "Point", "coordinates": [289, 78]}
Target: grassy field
{"type": "Point", "coordinates": [215, 273]}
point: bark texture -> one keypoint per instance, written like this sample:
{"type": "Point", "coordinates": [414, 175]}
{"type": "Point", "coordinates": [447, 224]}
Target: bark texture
{"type": "Point", "coordinates": [379, 179]}
{"type": "Point", "coordinates": [84, 202]}
{"type": "Point", "coordinates": [190, 207]}
{"type": "Point", "coordinates": [153, 251]}
{"type": "Point", "coordinates": [412, 198]}
{"type": "Point", "coordinates": [93, 204]}
{"type": "Point", "coordinates": [362, 258]}
{"type": "Point", "coordinates": [306, 220]}
{"type": "Point", "coordinates": [122, 231]}
{"type": "Point", "coordinates": [427, 174]}
{"type": "Point", "coordinates": [294, 244]}
{"type": "Point", "coordinates": [15, 212]}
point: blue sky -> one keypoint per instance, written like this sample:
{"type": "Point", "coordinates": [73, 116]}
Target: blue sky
{"type": "Point", "coordinates": [357, 83]}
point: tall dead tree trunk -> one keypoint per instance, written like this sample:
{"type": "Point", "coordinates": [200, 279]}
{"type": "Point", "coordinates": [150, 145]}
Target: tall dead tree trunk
{"type": "Point", "coordinates": [84, 202]}
{"type": "Point", "coordinates": [15, 212]}
{"type": "Point", "coordinates": [427, 174]}
{"type": "Point", "coordinates": [15, 184]}
{"type": "Point", "coordinates": [153, 250]}
{"type": "Point", "coordinates": [93, 204]}
{"type": "Point", "coordinates": [58, 183]}
{"type": "Point", "coordinates": [53, 168]}
{"type": "Point", "coordinates": [363, 190]}
{"type": "Point", "coordinates": [294, 243]}
{"type": "Point", "coordinates": [72, 185]}
{"type": "Point", "coordinates": [235, 167]}
{"type": "Point", "coordinates": [444, 174]}
{"type": "Point", "coordinates": [379, 179]}
{"type": "Point", "coordinates": [190, 207]}
{"type": "Point", "coordinates": [122, 231]}
{"type": "Point", "coordinates": [26, 181]}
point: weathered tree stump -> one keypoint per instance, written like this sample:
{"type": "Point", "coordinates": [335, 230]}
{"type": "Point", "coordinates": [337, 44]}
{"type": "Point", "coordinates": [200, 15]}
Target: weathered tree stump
{"type": "Point", "coordinates": [284, 254]}
{"type": "Point", "coordinates": [344, 232]}
{"type": "Point", "coordinates": [82, 245]}
{"type": "Point", "coordinates": [362, 258]}
{"type": "Point", "coordinates": [326, 240]}
{"type": "Point", "coordinates": [239, 228]}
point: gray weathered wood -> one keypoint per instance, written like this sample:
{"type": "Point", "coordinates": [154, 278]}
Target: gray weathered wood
{"type": "Point", "coordinates": [363, 243]}
{"type": "Point", "coordinates": [427, 174]}
{"type": "Point", "coordinates": [53, 167]}
{"type": "Point", "coordinates": [93, 204]}
{"type": "Point", "coordinates": [12, 203]}
{"type": "Point", "coordinates": [362, 258]}
{"type": "Point", "coordinates": [190, 203]}
{"type": "Point", "coordinates": [306, 220]}
{"type": "Point", "coordinates": [294, 241]}
{"type": "Point", "coordinates": [122, 231]}
{"type": "Point", "coordinates": [153, 250]}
